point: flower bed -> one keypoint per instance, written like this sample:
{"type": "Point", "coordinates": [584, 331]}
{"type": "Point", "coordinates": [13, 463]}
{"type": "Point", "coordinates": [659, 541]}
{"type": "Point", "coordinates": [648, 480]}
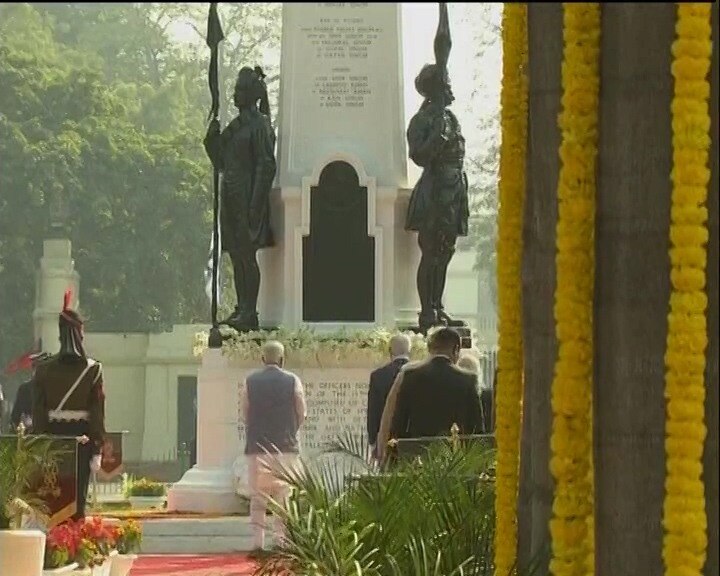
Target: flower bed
{"type": "Point", "coordinates": [145, 494]}
{"type": "Point", "coordinates": [91, 547]}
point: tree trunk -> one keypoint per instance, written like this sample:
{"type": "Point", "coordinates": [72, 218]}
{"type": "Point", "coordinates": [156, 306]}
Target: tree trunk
{"type": "Point", "coordinates": [545, 44]}
{"type": "Point", "coordinates": [712, 401]}
{"type": "Point", "coordinates": [632, 285]}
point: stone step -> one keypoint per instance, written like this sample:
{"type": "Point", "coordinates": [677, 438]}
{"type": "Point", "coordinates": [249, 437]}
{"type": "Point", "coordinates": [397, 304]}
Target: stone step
{"type": "Point", "coordinates": [198, 535]}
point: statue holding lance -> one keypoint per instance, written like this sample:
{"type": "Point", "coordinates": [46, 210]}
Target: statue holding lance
{"type": "Point", "coordinates": [244, 153]}
{"type": "Point", "coordinates": [438, 208]}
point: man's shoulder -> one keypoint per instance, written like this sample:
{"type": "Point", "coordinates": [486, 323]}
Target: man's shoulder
{"type": "Point", "coordinates": [464, 376]}
{"type": "Point", "coordinates": [415, 366]}
{"type": "Point", "coordinates": [267, 373]}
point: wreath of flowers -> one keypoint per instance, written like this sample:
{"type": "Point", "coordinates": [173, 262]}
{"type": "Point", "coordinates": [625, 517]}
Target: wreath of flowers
{"type": "Point", "coordinates": [684, 516]}
{"type": "Point", "coordinates": [571, 440]}
{"type": "Point", "coordinates": [305, 346]}
{"type": "Point", "coordinates": [514, 106]}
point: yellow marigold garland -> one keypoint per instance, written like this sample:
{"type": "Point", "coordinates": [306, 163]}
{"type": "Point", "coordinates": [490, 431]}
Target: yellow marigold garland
{"type": "Point", "coordinates": [571, 439]}
{"type": "Point", "coordinates": [685, 521]}
{"type": "Point", "coordinates": [513, 99]}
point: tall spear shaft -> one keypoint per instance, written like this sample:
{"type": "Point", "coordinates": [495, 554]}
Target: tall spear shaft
{"type": "Point", "coordinates": [214, 36]}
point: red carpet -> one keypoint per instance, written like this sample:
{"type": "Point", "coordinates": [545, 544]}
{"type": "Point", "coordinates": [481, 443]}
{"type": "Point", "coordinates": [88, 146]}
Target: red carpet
{"type": "Point", "coordinates": [190, 565]}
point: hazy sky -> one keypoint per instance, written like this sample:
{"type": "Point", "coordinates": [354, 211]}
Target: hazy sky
{"type": "Point", "coordinates": [476, 81]}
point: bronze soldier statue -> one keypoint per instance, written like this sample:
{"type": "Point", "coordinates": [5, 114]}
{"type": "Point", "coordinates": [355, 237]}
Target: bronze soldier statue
{"type": "Point", "coordinates": [438, 208]}
{"type": "Point", "coordinates": [68, 399]}
{"type": "Point", "coordinates": [244, 153]}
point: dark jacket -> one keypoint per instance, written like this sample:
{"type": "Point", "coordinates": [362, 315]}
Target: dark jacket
{"type": "Point", "coordinates": [439, 200]}
{"type": "Point", "coordinates": [433, 396]}
{"type": "Point", "coordinates": [53, 379]}
{"type": "Point", "coordinates": [381, 380]}
{"type": "Point", "coordinates": [22, 408]}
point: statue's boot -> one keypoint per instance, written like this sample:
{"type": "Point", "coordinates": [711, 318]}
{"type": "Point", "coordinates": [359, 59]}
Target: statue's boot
{"type": "Point", "coordinates": [426, 320]}
{"type": "Point", "coordinates": [246, 322]}
{"type": "Point", "coordinates": [448, 320]}
{"type": "Point", "coordinates": [230, 320]}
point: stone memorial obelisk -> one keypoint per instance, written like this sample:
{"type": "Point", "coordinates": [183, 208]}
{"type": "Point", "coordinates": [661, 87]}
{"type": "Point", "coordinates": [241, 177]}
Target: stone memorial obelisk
{"type": "Point", "coordinates": [342, 258]}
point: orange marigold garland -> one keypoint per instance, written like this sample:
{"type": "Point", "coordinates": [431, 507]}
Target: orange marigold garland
{"type": "Point", "coordinates": [571, 439]}
{"type": "Point", "coordinates": [513, 100]}
{"type": "Point", "coordinates": [684, 516]}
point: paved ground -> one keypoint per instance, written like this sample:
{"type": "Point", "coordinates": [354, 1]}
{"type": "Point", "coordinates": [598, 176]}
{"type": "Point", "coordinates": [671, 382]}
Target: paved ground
{"type": "Point", "coordinates": [193, 565]}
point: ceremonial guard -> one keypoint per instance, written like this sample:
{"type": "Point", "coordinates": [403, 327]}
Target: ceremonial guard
{"type": "Point", "coordinates": [68, 399]}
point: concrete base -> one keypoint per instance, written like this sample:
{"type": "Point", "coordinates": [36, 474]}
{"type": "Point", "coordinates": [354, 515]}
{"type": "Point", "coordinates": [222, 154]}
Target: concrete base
{"type": "Point", "coordinates": [209, 487]}
{"type": "Point", "coordinates": [199, 536]}
{"type": "Point", "coordinates": [208, 491]}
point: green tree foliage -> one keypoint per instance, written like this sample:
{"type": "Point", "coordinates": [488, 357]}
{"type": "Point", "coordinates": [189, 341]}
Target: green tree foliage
{"type": "Point", "coordinates": [102, 115]}
{"type": "Point", "coordinates": [483, 166]}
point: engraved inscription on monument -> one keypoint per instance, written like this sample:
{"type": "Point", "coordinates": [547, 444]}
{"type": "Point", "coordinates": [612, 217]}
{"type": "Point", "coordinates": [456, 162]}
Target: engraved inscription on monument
{"type": "Point", "coordinates": [345, 42]}
{"type": "Point", "coordinates": [342, 64]}
{"type": "Point", "coordinates": [334, 408]}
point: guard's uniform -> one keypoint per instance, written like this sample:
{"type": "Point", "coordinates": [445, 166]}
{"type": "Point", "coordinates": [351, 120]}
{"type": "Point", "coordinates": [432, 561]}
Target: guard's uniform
{"type": "Point", "coordinates": [68, 400]}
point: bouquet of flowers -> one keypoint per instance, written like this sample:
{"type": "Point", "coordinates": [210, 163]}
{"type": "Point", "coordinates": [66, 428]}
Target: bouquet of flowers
{"type": "Point", "coordinates": [61, 546]}
{"type": "Point", "coordinates": [128, 537]}
{"type": "Point", "coordinates": [101, 536]}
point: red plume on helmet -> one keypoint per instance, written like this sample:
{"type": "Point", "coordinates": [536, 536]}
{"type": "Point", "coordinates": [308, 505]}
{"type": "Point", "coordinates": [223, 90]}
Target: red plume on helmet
{"type": "Point", "coordinates": [68, 314]}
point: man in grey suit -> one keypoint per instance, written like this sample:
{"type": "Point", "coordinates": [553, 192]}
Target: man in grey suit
{"type": "Point", "coordinates": [272, 404]}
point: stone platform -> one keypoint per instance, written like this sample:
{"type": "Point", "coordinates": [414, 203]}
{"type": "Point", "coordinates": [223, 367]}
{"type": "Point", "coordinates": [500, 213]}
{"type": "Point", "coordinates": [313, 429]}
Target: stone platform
{"type": "Point", "coordinates": [223, 535]}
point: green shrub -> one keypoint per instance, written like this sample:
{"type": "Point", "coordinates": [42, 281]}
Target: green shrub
{"type": "Point", "coordinates": [144, 488]}
{"type": "Point", "coordinates": [431, 516]}
{"type": "Point", "coordinates": [23, 463]}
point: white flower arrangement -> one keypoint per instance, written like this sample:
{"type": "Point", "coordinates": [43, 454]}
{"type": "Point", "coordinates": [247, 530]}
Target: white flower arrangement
{"type": "Point", "coordinates": [305, 346]}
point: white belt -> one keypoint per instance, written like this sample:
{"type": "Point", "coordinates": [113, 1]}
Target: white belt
{"type": "Point", "coordinates": [68, 415]}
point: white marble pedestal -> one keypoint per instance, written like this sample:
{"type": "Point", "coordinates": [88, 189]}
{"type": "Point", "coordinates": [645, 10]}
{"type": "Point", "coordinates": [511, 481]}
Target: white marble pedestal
{"type": "Point", "coordinates": [209, 486]}
{"type": "Point", "coordinates": [336, 396]}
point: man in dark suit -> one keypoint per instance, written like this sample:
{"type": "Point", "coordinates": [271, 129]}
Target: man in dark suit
{"type": "Point", "coordinates": [429, 397]}
{"type": "Point", "coordinates": [381, 380]}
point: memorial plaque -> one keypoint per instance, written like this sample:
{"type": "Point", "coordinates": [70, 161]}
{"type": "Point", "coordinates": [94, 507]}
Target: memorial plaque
{"type": "Point", "coordinates": [338, 255]}
{"type": "Point", "coordinates": [341, 89]}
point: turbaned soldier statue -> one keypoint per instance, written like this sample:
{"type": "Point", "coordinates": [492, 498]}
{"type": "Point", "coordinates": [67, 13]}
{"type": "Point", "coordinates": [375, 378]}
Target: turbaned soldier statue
{"type": "Point", "coordinates": [68, 399]}
{"type": "Point", "coordinates": [438, 208]}
{"type": "Point", "coordinates": [244, 153]}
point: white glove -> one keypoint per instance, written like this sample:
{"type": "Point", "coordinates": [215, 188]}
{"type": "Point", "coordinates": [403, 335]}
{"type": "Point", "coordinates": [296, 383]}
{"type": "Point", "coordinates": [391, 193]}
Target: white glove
{"type": "Point", "coordinates": [96, 463]}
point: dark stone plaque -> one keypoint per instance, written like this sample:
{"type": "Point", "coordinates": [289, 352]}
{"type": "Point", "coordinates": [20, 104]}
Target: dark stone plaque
{"type": "Point", "coordinates": [338, 255]}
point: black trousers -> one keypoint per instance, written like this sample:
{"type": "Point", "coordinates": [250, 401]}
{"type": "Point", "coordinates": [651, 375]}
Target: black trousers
{"type": "Point", "coordinates": [85, 454]}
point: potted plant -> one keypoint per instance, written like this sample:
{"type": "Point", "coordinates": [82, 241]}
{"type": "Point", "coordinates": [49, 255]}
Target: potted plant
{"type": "Point", "coordinates": [128, 536]}
{"type": "Point", "coordinates": [61, 549]}
{"type": "Point", "coordinates": [144, 494]}
{"type": "Point", "coordinates": [102, 537]}
{"type": "Point", "coordinates": [23, 460]}
{"type": "Point", "coordinates": [83, 548]}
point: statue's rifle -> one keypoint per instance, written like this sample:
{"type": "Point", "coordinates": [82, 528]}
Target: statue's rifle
{"type": "Point", "coordinates": [214, 36]}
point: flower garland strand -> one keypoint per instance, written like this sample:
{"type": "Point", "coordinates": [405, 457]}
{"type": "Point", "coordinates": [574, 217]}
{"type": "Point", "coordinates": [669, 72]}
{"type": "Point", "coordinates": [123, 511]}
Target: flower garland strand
{"type": "Point", "coordinates": [513, 99]}
{"type": "Point", "coordinates": [684, 516]}
{"type": "Point", "coordinates": [571, 439]}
